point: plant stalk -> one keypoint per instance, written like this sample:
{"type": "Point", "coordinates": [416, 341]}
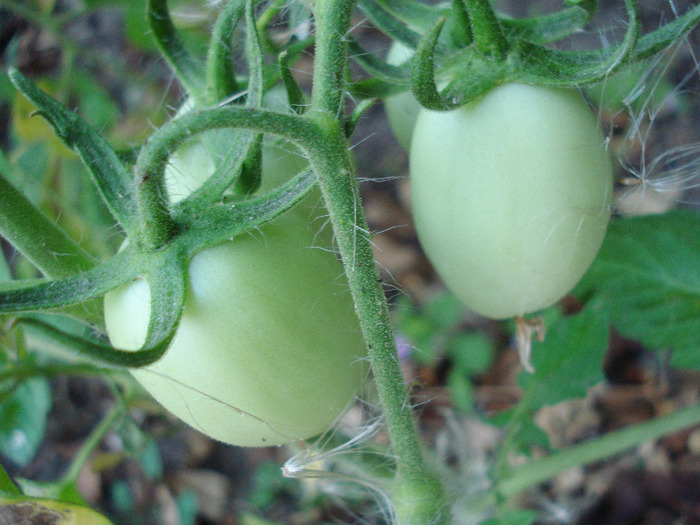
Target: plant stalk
{"type": "Point", "coordinates": [596, 449]}
{"type": "Point", "coordinates": [419, 495]}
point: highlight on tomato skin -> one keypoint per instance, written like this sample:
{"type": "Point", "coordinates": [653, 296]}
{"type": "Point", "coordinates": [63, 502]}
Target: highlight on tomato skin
{"type": "Point", "coordinates": [511, 196]}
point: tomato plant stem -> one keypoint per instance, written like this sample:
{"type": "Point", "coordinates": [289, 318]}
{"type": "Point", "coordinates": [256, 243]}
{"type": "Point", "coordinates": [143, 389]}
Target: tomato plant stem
{"type": "Point", "coordinates": [419, 496]}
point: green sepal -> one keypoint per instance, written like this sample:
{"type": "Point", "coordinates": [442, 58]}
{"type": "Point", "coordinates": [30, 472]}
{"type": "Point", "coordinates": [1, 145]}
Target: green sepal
{"type": "Point", "coordinates": [541, 65]}
{"type": "Point", "coordinates": [250, 176]}
{"type": "Point", "coordinates": [224, 221]}
{"type": "Point", "coordinates": [295, 96]}
{"type": "Point", "coordinates": [169, 137]}
{"type": "Point", "coordinates": [473, 74]}
{"type": "Point", "coordinates": [462, 34]}
{"type": "Point", "coordinates": [486, 31]}
{"type": "Point", "coordinates": [188, 69]}
{"type": "Point", "coordinates": [221, 77]}
{"type": "Point", "coordinates": [375, 88]}
{"type": "Point", "coordinates": [167, 284]}
{"type": "Point", "coordinates": [34, 295]}
{"type": "Point", "coordinates": [357, 112]}
{"type": "Point", "coordinates": [255, 59]}
{"type": "Point", "coordinates": [108, 173]}
{"type": "Point", "coordinates": [423, 72]}
{"type": "Point", "coordinates": [37, 237]}
{"type": "Point", "coordinates": [547, 28]}
{"type": "Point", "coordinates": [660, 39]}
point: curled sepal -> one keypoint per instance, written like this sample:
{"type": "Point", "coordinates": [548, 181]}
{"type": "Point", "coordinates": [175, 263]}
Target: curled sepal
{"type": "Point", "coordinates": [357, 112]}
{"type": "Point", "coordinates": [33, 295]}
{"type": "Point", "coordinates": [169, 137]}
{"type": "Point", "coordinates": [486, 30]}
{"type": "Point", "coordinates": [255, 58]}
{"type": "Point", "coordinates": [223, 222]}
{"type": "Point", "coordinates": [108, 173]}
{"type": "Point", "coordinates": [189, 70]}
{"type": "Point", "coordinates": [221, 77]}
{"type": "Point", "coordinates": [37, 237]}
{"type": "Point", "coordinates": [295, 96]}
{"type": "Point", "coordinates": [167, 283]}
{"type": "Point", "coordinates": [666, 35]}
{"type": "Point", "coordinates": [548, 28]}
{"type": "Point", "coordinates": [541, 65]}
{"type": "Point", "coordinates": [423, 72]}
{"type": "Point", "coordinates": [251, 175]}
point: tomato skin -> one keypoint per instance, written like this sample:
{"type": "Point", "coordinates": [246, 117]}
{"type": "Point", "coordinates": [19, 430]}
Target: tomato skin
{"type": "Point", "coordinates": [511, 196]}
{"type": "Point", "coordinates": [268, 349]}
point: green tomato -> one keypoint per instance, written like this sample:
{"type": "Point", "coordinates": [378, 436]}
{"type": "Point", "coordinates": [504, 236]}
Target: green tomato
{"type": "Point", "coordinates": [511, 196]}
{"type": "Point", "coordinates": [269, 349]}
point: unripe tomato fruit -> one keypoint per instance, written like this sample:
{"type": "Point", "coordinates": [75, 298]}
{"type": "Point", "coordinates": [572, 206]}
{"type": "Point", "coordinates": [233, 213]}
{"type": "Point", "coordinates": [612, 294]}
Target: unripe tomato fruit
{"type": "Point", "coordinates": [269, 348]}
{"type": "Point", "coordinates": [511, 196]}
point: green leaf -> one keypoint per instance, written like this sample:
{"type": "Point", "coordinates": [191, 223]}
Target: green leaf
{"type": "Point", "coordinates": [648, 274]}
{"type": "Point", "coordinates": [514, 517]}
{"type": "Point", "coordinates": [96, 104]}
{"type": "Point", "coordinates": [7, 486]}
{"type": "Point", "coordinates": [23, 420]}
{"type": "Point", "coordinates": [444, 309]}
{"type": "Point", "coordinates": [569, 361]}
{"type": "Point", "coordinates": [472, 353]}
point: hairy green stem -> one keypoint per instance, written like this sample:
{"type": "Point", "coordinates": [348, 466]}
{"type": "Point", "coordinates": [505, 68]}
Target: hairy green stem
{"type": "Point", "coordinates": [419, 494]}
{"type": "Point", "coordinates": [419, 497]}
{"type": "Point", "coordinates": [331, 58]}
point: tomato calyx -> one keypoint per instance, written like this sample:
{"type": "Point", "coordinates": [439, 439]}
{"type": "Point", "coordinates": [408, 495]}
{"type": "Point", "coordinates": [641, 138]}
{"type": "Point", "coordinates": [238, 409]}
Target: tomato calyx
{"type": "Point", "coordinates": [475, 49]}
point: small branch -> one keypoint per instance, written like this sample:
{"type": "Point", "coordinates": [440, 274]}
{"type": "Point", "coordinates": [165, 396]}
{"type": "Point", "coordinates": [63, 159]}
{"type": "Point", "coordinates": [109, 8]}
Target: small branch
{"type": "Point", "coordinates": [596, 449]}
